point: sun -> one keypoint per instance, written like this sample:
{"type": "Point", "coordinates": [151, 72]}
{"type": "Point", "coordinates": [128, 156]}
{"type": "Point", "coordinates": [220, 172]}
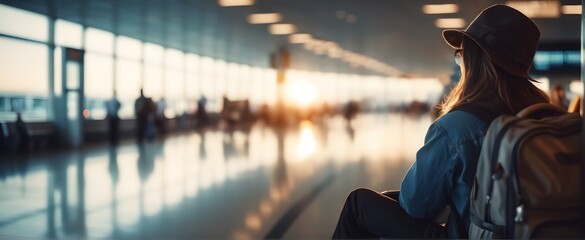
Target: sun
{"type": "Point", "coordinates": [301, 93]}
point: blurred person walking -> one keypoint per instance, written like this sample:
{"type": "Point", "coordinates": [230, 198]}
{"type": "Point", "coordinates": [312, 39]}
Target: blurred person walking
{"type": "Point", "coordinates": [558, 97]}
{"type": "Point", "coordinates": [141, 113]}
{"type": "Point", "coordinates": [201, 114]}
{"type": "Point", "coordinates": [113, 107]}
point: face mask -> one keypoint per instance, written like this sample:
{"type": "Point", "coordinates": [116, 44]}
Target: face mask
{"type": "Point", "coordinates": [459, 56]}
{"type": "Point", "coordinates": [459, 60]}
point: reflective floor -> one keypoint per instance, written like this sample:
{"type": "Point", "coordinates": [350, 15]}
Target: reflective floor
{"type": "Point", "coordinates": [257, 183]}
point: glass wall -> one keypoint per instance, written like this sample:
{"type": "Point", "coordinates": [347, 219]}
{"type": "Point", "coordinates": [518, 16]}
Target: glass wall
{"type": "Point", "coordinates": [128, 84]}
{"type": "Point", "coordinates": [99, 71]}
{"type": "Point", "coordinates": [174, 83]}
{"type": "Point", "coordinates": [153, 71]}
{"type": "Point", "coordinates": [24, 83]}
{"type": "Point", "coordinates": [24, 79]}
{"type": "Point", "coordinates": [121, 66]}
{"type": "Point", "coordinates": [99, 84]}
{"type": "Point", "coordinates": [30, 25]}
{"type": "Point", "coordinates": [68, 34]}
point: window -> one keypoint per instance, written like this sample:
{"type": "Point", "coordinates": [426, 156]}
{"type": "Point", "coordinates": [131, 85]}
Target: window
{"type": "Point", "coordinates": [255, 87]}
{"type": "Point", "coordinates": [68, 34]}
{"type": "Point", "coordinates": [220, 78]}
{"type": "Point", "coordinates": [174, 59]}
{"type": "Point", "coordinates": [153, 53]}
{"type": "Point", "coordinates": [206, 76]}
{"type": "Point", "coordinates": [17, 60]}
{"type": "Point", "coordinates": [99, 76]}
{"type": "Point", "coordinates": [128, 48]}
{"type": "Point", "coordinates": [99, 41]}
{"type": "Point", "coordinates": [193, 91]}
{"type": "Point", "coordinates": [174, 93]}
{"type": "Point", "coordinates": [17, 78]}
{"type": "Point", "coordinates": [174, 83]}
{"type": "Point", "coordinates": [99, 84]}
{"type": "Point", "coordinates": [127, 85]}
{"type": "Point", "coordinates": [233, 75]}
{"type": "Point", "coordinates": [25, 24]}
{"type": "Point", "coordinates": [270, 87]}
{"type": "Point", "coordinates": [244, 82]}
{"type": "Point", "coordinates": [154, 56]}
{"type": "Point", "coordinates": [192, 63]}
{"type": "Point", "coordinates": [153, 82]}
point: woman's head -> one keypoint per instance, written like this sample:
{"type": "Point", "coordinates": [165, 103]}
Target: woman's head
{"type": "Point", "coordinates": [490, 71]}
{"type": "Point", "coordinates": [506, 35]}
{"type": "Point", "coordinates": [484, 81]}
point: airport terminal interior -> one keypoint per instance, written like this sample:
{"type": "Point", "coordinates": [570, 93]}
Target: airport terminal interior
{"type": "Point", "coordinates": [228, 119]}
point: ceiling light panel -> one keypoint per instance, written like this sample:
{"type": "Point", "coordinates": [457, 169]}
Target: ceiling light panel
{"type": "Point", "coordinates": [440, 8]}
{"type": "Point", "coordinates": [264, 18]}
{"type": "Point", "coordinates": [571, 9]}
{"type": "Point", "coordinates": [299, 38]}
{"type": "Point", "coordinates": [450, 23]}
{"type": "Point", "coordinates": [281, 29]}
{"type": "Point", "coordinates": [537, 8]}
{"type": "Point", "coordinates": [235, 3]}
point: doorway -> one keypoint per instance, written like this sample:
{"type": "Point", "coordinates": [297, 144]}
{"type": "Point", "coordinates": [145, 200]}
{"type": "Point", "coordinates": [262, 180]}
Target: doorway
{"type": "Point", "coordinates": [71, 119]}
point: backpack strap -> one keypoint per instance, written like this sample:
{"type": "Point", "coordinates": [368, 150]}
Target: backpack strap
{"type": "Point", "coordinates": [484, 112]}
{"type": "Point", "coordinates": [479, 109]}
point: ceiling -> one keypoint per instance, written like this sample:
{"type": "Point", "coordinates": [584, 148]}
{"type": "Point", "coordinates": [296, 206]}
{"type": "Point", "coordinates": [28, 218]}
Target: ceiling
{"type": "Point", "coordinates": [398, 32]}
{"type": "Point", "coordinates": [395, 32]}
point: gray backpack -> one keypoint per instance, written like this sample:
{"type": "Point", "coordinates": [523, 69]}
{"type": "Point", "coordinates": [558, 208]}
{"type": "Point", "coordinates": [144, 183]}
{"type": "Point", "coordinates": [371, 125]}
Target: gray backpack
{"type": "Point", "coordinates": [528, 179]}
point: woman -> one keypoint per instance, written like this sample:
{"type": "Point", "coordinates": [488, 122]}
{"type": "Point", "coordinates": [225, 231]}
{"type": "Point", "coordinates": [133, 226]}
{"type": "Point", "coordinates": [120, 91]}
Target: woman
{"type": "Point", "coordinates": [494, 53]}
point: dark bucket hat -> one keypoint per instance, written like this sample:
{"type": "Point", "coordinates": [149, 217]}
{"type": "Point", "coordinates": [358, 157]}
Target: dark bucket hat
{"type": "Point", "coordinates": [508, 37]}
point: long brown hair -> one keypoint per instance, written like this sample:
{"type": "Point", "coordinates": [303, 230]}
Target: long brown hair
{"type": "Point", "coordinates": [484, 81]}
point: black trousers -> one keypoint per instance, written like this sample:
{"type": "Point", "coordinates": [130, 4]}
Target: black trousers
{"type": "Point", "coordinates": [369, 214]}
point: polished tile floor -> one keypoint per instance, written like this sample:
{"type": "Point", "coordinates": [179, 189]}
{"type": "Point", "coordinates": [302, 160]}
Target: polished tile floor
{"type": "Point", "coordinates": [241, 184]}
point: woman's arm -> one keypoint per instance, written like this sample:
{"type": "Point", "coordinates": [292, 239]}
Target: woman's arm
{"type": "Point", "coordinates": [425, 188]}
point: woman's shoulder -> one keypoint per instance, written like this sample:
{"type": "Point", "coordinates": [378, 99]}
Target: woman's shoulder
{"type": "Point", "coordinates": [461, 124]}
{"type": "Point", "coordinates": [459, 117]}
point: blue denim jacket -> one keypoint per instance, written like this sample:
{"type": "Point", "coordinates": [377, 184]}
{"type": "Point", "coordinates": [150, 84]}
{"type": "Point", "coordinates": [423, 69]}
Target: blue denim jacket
{"type": "Point", "coordinates": [445, 167]}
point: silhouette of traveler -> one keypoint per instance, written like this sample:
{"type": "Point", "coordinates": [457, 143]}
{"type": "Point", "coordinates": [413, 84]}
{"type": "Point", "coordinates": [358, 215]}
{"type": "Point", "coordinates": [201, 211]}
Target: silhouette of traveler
{"type": "Point", "coordinates": [23, 135]}
{"type": "Point", "coordinates": [494, 53]}
{"type": "Point", "coordinates": [112, 107]}
{"type": "Point", "coordinates": [350, 110]}
{"type": "Point", "coordinates": [141, 113]}
{"type": "Point", "coordinates": [201, 114]}
{"type": "Point", "coordinates": [558, 97]}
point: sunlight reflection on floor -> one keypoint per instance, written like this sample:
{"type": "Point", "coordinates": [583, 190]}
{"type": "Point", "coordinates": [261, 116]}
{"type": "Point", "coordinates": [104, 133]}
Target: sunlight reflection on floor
{"type": "Point", "coordinates": [155, 189]}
